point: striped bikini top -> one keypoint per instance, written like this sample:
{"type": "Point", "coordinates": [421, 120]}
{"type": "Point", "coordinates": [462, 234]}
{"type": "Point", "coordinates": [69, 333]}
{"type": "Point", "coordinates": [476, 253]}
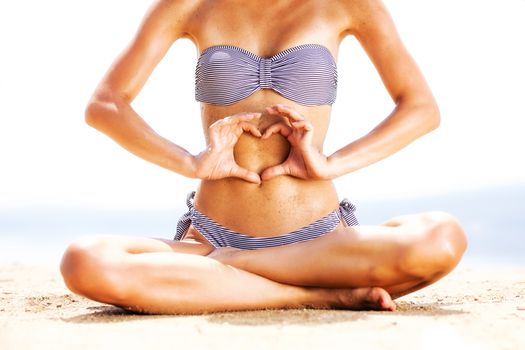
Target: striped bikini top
{"type": "Point", "coordinates": [306, 74]}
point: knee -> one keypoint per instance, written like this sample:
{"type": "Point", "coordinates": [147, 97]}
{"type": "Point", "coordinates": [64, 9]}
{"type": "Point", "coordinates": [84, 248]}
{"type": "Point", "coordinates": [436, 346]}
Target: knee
{"type": "Point", "coordinates": [440, 245]}
{"type": "Point", "coordinates": [89, 269]}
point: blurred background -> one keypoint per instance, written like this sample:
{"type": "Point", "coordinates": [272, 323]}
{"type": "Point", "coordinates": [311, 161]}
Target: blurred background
{"type": "Point", "coordinates": [60, 179]}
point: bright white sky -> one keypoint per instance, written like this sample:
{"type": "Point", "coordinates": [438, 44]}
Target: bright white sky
{"type": "Point", "coordinates": [53, 54]}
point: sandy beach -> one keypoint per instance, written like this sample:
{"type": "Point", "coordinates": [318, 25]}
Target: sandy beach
{"type": "Point", "coordinates": [62, 179]}
{"type": "Point", "coordinates": [469, 309]}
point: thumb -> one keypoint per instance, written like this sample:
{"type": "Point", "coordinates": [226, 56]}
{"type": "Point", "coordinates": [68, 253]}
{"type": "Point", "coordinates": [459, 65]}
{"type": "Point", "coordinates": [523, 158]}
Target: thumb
{"type": "Point", "coordinates": [246, 175]}
{"type": "Point", "coordinates": [274, 171]}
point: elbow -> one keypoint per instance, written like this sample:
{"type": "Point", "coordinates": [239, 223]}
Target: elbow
{"type": "Point", "coordinates": [433, 119]}
{"type": "Point", "coordinates": [98, 111]}
{"type": "Point", "coordinates": [421, 113]}
{"type": "Point", "coordinates": [428, 118]}
{"type": "Point", "coordinates": [421, 118]}
{"type": "Point", "coordinates": [90, 116]}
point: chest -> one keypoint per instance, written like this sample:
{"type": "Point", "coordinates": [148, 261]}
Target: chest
{"type": "Point", "coordinates": [268, 27]}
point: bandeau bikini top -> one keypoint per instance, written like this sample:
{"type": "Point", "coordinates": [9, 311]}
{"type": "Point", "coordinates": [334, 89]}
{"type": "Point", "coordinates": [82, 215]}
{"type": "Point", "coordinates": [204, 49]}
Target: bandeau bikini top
{"type": "Point", "coordinates": [306, 74]}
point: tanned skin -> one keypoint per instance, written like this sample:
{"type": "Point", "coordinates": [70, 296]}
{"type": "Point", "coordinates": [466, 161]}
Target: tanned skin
{"type": "Point", "coordinates": [263, 172]}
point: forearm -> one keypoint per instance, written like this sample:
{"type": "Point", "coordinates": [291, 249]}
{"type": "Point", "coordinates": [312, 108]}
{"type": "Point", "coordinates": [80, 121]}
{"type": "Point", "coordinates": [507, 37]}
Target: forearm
{"type": "Point", "coordinates": [117, 119]}
{"type": "Point", "coordinates": [405, 124]}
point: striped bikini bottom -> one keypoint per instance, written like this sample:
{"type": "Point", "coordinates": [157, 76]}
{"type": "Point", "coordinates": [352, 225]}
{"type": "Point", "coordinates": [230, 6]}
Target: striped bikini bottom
{"type": "Point", "coordinates": [220, 236]}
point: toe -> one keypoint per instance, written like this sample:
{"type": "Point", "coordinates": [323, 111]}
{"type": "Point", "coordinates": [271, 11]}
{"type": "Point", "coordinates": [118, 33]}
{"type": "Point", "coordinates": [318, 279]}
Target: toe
{"type": "Point", "coordinates": [381, 299]}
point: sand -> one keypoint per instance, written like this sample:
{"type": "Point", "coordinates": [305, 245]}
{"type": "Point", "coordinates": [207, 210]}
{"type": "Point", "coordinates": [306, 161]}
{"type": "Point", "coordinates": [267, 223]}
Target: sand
{"type": "Point", "coordinates": [469, 309]}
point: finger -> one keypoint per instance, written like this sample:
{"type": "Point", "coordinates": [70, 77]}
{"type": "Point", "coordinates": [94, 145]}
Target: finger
{"type": "Point", "coordinates": [251, 128]}
{"type": "Point", "coordinates": [273, 171]}
{"type": "Point", "coordinates": [232, 120]}
{"type": "Point", "coordinates": [236, 118]}
{"type": "Point", "coordinates": [217, 123]}
{"type": "Point", "coordinates": [246, 175]}
{"type": "Point", "coordinates": [243, 116]}
{"type": "Point", "coordinates": [285, 111]}
{"type": "Point", "coordinates": [306, 125]}
{"type": "Point", "coordinates": [271, 110]}
{"type": "Point", "coordinates": [214, 128]}
{"type": "Point", "coordinates": [277, 128]}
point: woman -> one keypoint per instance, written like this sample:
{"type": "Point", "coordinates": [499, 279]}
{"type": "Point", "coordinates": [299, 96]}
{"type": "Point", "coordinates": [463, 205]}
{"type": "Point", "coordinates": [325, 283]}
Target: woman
{"type": "Point", "coordinates": [265, 228]}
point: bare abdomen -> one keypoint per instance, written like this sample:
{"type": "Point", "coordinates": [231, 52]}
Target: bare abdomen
{"type": "Point", "coordinates": [274, 207]}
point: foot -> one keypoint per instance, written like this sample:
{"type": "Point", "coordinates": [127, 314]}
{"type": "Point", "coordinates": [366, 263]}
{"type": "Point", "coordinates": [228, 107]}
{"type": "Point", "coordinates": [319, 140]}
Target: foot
{"type": "Point", "coordinates": [374, 298]}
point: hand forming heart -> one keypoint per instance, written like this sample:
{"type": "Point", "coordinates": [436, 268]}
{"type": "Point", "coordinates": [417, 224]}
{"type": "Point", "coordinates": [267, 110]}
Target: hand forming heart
{"type": "Point", "coordinates": [217, 161]}
{"type": "Point", "coordinates": [304, 160]}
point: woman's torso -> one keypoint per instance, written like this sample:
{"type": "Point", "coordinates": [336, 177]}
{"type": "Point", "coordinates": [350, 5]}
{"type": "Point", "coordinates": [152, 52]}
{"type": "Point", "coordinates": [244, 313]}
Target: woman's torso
{"type": "Point", "coordinates": [284, 203]}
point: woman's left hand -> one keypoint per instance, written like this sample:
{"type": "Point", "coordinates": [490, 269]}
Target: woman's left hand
{"type": "Point", "coordinates": [304, 161]}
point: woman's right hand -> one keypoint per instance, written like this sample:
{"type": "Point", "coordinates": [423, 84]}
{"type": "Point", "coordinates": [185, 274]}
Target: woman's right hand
{"type": "Point", "coordinates": [217, 161]}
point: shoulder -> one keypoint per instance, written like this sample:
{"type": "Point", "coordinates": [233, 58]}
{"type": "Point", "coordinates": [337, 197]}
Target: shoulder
{"type": "Point", "coordinates": [363, 16]}
{"type": "Point", "coordinates": [175, 16]}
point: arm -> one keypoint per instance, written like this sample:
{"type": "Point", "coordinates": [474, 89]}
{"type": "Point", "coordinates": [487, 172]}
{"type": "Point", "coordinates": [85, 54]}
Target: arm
{"type": "Point", "coordinates": [416, 112]}
{"type": "Point", "coordinates": [109, 109]}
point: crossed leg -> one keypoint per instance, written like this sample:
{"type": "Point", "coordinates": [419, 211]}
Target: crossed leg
{"type": "Point", "coordinates": [156, 276]}
{"type": "Point", "coordinates": [402, 255]}
{"type": "Point", "coordinates": [348, 268]}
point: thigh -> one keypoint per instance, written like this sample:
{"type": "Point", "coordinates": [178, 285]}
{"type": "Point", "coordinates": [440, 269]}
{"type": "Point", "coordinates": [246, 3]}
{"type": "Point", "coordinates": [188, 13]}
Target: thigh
{"type": "Point", "coordinates": [113, 246]}
{"type": "Point", "coordinates": [401, 250]}
{"type": "Point", "coordinates": [89, 257]}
